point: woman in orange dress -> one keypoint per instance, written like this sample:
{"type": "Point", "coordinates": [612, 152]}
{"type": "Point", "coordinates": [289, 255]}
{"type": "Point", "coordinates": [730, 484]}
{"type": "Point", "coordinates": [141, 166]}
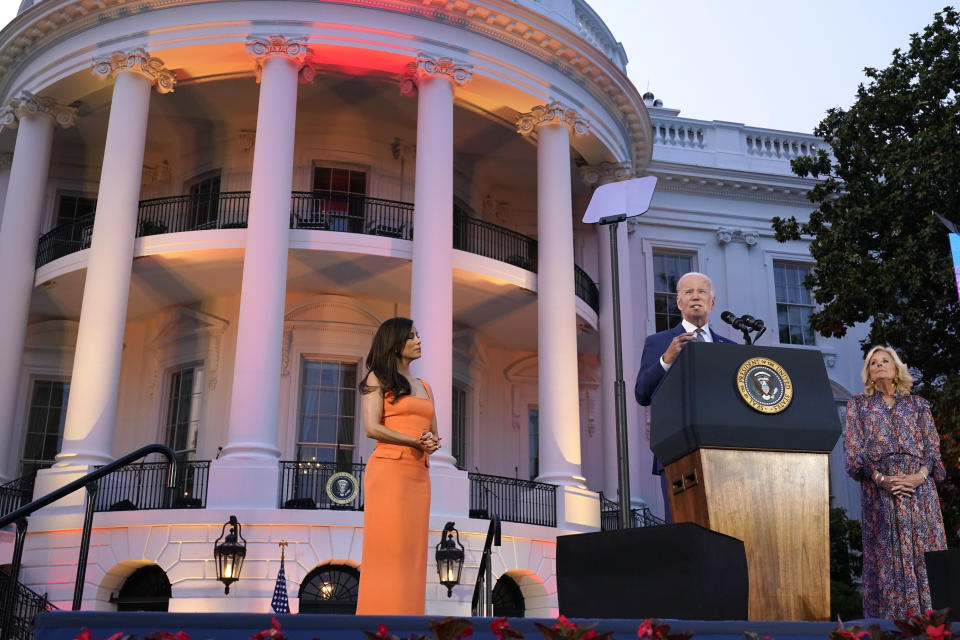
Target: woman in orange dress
{"type": "Point", "coordinates": [398, 413]}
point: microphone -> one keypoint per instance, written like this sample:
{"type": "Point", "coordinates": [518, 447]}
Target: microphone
{"type": "Point", "coordinates": [734, 321]}
{"type": "Point", "coordinates": [754, 323]}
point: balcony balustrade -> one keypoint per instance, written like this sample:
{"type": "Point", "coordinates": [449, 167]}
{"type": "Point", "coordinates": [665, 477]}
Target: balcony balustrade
{"type": "Point", "coordinates": [311, 210]}
{"type": "Point", "coordinates": [512, 499]}
{"type": "Point", "coordinates": [143, 486]}
{"type": "Point", "coordinates": [303, 485]}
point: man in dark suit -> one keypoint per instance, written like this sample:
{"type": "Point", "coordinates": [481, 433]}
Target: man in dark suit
{"type": "Point", "coordinates": [696, 300]}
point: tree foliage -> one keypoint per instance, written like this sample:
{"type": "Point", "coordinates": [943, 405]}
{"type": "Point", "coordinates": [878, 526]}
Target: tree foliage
{"type": "Point", "coordinates": [882, 255]}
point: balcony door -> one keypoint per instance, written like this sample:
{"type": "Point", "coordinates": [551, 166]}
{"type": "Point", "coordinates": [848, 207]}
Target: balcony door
{"type": "Point", "coordinates": [339, 195]}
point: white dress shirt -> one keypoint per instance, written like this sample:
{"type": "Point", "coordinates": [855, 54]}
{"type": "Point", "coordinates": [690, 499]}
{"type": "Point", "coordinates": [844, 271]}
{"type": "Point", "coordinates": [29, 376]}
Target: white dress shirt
{"type": "Point", "coordinates": [689, 327]}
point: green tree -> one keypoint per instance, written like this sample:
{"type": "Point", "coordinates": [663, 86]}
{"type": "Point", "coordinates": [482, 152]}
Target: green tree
{"type": "Point", "coordinates": [882, 255]}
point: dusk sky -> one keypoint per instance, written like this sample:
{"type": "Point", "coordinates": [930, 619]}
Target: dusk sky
{"type": "Point", "coordinates": [779, 65]}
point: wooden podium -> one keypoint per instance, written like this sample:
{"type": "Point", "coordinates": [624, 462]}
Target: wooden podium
{"type": "Point", "coordinates": [745, 459]}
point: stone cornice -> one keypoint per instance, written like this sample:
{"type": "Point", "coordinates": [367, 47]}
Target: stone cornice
{"type": "Point", "coordinates": [27, 104]}
{"type": "Point", "coordinates": [526, 30]}
{"type": "Point", "coordinates": [277, 45]}
{"type": "Point", "coordinates": [553, 113]}
{"type": "Point", "coordinates": [136, 61]}
{"type": "Point", "coordinates": [427, 65]}
{"type": "Point", "coordinates": [739, 185]}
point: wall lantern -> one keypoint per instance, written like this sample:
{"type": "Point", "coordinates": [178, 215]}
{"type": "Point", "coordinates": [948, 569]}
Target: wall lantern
{"type": "Point", "coordinates": [229, 551]}
{"type": "Point", "coordinates": [449, 558]}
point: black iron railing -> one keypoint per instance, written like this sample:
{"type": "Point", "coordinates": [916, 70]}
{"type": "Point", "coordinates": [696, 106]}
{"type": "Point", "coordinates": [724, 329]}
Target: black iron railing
{"type": "Point", "coordinates": [222, 210]}
{"type": "Point", "coordinates": [27, 604]}
{"type": "Point", "coordinates": [513, 500]}
{"type": "Point", "coordinates": [63, 240]}
{"type": "Point", "coordinates": [303, 485]}
{"type": "Point", "coordinates": [610, 516]}
{"type": "Point", "coordinates": [585, 288]}
{"type": "Point", "coordinates": [351, 213]}
{"type": "Point", "coordinates": [492, 241]}
{"type": "Point", "coordinates": [143, 485]}
{"type": "Point", "coordinates": [16, 493]}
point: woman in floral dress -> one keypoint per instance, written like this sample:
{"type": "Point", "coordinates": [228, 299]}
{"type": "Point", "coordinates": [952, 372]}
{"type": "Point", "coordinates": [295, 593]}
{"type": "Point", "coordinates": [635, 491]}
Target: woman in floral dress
{"type": "Point", "coordinates": [893, 450]}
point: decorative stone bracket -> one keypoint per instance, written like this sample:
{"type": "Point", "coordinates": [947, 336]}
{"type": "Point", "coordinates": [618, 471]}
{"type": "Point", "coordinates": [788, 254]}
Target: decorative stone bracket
{"type": "Point", "coordinates": [727, 236]}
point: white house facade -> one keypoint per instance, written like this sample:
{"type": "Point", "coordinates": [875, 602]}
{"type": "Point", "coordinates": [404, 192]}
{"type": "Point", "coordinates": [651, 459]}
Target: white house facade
{"type": "Point", "coordinates": [208, 206]}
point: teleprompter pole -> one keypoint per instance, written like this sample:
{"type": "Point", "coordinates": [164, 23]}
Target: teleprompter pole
{"type": "Point", "coordinates": [620, 394]}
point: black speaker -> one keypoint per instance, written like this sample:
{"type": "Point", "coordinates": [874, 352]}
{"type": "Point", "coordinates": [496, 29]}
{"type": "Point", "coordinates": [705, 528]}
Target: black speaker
{"type": "Point", "coordinates": [943, 573]}
{"type": "Point", "coordinates": [668, 571]}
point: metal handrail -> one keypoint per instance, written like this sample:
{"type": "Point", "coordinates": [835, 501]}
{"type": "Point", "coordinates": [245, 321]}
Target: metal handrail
{"type": "Point", "coordinates": [89, 482]}
{"type": "Point", "coordinates": [483, 589]}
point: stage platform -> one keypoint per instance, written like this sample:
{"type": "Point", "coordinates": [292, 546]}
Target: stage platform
{"type": "Point", "coordinates": [65, 625]}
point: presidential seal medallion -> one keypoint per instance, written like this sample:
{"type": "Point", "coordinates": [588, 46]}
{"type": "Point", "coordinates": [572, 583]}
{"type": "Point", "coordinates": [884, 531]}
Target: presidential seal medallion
{"type": "Point", "coordinates": [342, 488]}
{"type": "Point", "coordinates": [764, 385]}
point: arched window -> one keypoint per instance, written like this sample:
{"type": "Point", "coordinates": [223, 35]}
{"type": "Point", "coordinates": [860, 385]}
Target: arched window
{"type": "Point", "coordinates": [507, 598]}
{"type": "Point", "coordinates": [330, 588]}
{"type": "Point", "coordinates": [147, 589]}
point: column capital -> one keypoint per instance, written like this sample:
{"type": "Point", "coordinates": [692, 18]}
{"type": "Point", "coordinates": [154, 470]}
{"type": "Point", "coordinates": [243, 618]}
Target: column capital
{"type": "Point", "coordinates": [136, 61]}
{"type": "Point", "coordinates": [727, 236]}
{"type": "Point", "coordinates": [28, 104]}
{"type": "Point", "coordinates": [605, 173]}
{"type": "Point", "coordinates": [427, 65]}
{"type": "Point", "coordinates": [294, 49]}
{"type": "Point", "coordinates": [553, 113]}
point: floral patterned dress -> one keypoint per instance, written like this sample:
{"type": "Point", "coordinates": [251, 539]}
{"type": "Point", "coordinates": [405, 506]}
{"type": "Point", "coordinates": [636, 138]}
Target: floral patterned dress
{"type": "Point", "coordinates": [896, 531]}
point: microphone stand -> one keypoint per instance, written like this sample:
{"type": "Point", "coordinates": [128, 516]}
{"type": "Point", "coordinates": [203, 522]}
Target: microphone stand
{"type": "Point", "coordinates": [623, 467]}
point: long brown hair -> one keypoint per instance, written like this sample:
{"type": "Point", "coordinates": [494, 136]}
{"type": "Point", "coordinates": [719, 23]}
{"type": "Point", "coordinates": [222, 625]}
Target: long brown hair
{"type": "Point", "coordinates": [385, 350]}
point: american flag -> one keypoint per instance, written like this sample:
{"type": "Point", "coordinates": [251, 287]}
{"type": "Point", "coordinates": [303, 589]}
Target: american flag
{"type": "Point", "coordinates": [280, 602]}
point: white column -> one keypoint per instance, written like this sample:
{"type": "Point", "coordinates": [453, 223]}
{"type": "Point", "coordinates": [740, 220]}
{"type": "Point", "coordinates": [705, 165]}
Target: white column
{"type": "Point", "coordinates": [431, 282]}
{"type": "Point", "coordinates": [556, 318]}
{"type": "Point", "coordinates": [247, 471]}
{"type": "Point", "coordinates": [91, 409]}
{"type": "Point", "coordinates": [35, 119]}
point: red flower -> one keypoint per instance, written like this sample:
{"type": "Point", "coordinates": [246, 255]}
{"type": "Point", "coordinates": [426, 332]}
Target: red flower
{"type": "Point", "coordinates": [382, 632]}
{"type": "Point", "coordinates": [589, 635]}
{"type": "Point", "coordinates": [466, 633]}
{"type": "Point", "coordinates": [84, 634]}
{"type": "Point", "coordinates": [498, 625]}
{"type": "Point", "coordinates": [645, 630]}
{"type": "Point", "coordinates": [937, 633]}
{"type": "Point", "coordinates": [562, 620]}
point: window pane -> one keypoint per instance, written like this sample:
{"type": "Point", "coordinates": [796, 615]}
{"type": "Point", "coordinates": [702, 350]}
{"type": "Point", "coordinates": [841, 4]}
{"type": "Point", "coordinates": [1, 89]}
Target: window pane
{"type": "Point", "coordinates": [328, 402]}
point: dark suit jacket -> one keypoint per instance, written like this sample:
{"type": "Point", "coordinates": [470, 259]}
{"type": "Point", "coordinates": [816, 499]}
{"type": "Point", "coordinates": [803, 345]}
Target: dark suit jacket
{"type": "Point", "coordinates": [651, 372]}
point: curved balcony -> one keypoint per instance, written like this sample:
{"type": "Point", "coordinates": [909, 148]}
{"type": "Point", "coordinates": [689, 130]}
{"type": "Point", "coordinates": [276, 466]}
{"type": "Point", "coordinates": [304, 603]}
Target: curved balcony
{"type": "Point", "coordinates": [309, 210]}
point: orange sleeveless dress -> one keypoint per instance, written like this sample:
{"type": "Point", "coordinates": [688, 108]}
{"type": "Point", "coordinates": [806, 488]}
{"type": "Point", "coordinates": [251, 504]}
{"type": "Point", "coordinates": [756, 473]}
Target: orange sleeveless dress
{"type": "Point", "coordinates": [396, 513]}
